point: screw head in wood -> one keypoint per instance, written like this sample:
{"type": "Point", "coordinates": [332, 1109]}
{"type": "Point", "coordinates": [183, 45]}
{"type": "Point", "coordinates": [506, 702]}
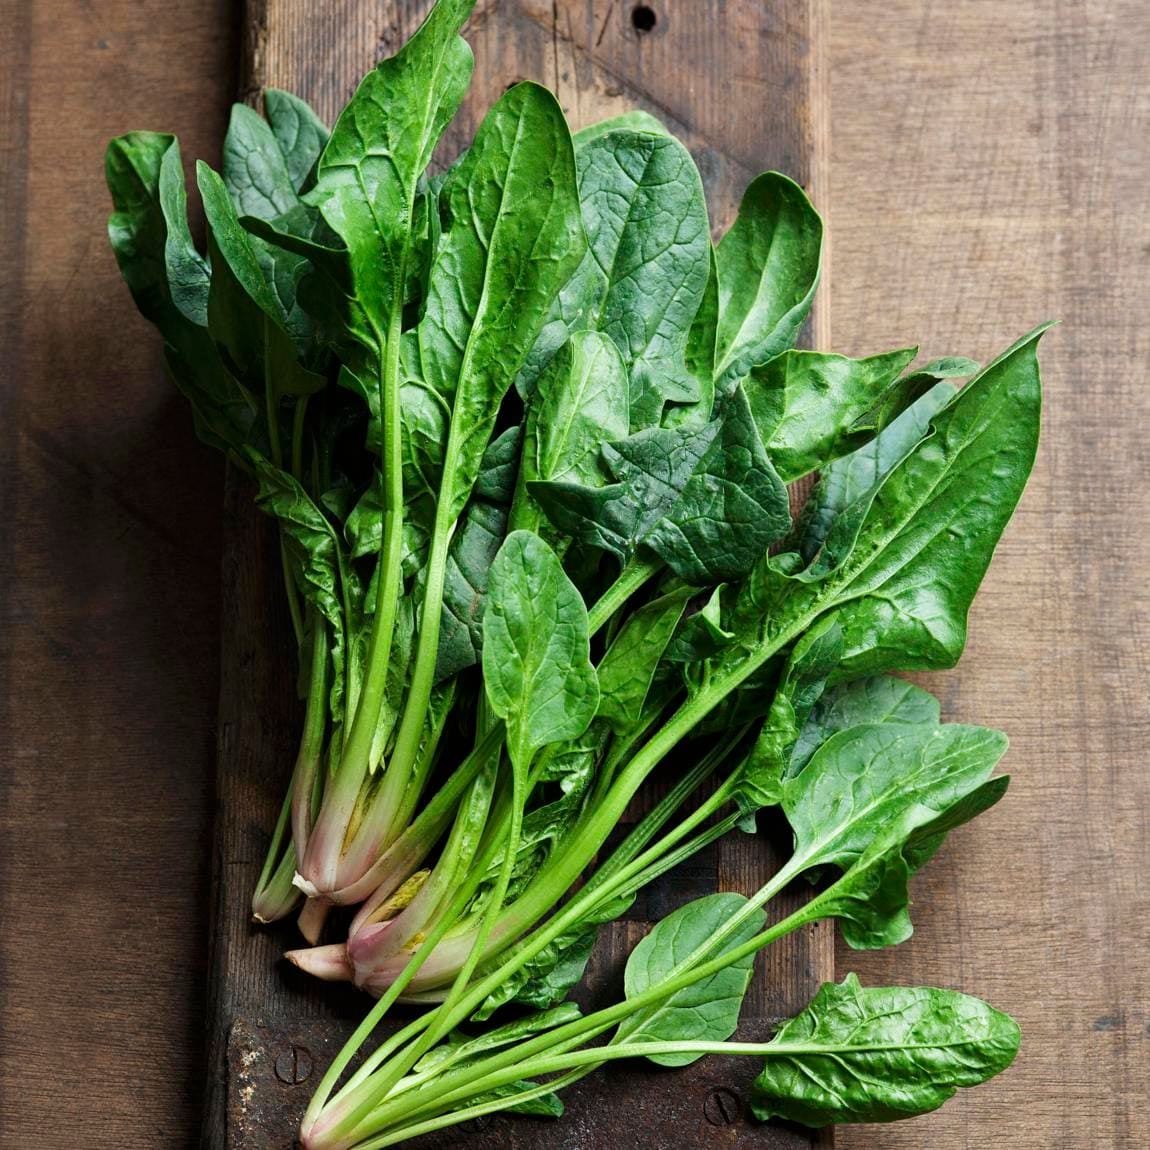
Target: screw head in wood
{"type": "Point", "coordinates": [294, 1065]}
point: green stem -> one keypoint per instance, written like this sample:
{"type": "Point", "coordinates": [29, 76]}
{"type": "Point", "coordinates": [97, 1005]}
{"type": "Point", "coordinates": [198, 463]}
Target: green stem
{"type": "Point", "coordinates": [327, 841]}
{"type": "Point", "coordinates": [634, 574]}
{"type": "Point", "coordinates": [311, 742]}
{"type": "Point", "coordinates": [506, 1066]}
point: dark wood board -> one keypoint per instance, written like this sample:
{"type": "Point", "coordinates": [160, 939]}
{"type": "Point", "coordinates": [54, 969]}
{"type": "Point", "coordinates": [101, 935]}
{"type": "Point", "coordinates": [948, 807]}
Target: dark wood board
{"type": "Point", "coordinates": [739, 81]}
{"type": "Point", "coordinates": [109, 591]}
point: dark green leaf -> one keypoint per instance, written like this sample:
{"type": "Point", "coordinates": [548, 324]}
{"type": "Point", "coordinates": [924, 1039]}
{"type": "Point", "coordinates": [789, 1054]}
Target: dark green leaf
{"type": "Point", "coordinates": [880, 1054]}
{"type": "Point", "coordinates": [628, 668]}
{"type": "Point", "coordinates": [367, 176]}
{"type": "Point", "coordinates": [733, 507]}
{"type": "Point", "coordinates": [299, 132]}
{"type": "Point", "coordinates": [512, 235]}
{"type": "Point", "coordinates": [645, 271]}
{"type": "Point", "coordinates": [880, 699]}
{"type": "Point", "coordinates": [808, 405]}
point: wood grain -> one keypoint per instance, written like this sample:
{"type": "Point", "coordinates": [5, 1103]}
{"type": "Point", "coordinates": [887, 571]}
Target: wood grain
{"type": "Point", "coordinates": [739, 82]}
{"type": "Point", "coordinates": [109, 626]}
{"type": "Point", "coordinates": [990, 170]}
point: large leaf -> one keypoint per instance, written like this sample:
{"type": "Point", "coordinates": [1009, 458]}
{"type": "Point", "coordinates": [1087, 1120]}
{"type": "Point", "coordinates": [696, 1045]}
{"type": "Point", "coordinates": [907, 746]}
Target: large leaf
{"type": "Point", "coordinates": [645, 271]}
{"type": "Point", "coordinates": [876, 801]}
{"type": "Point", "coordinates": [707, 1010]}
{"type": "Point", "coordinates": [733, 507]}
{"type": "Point", "coordinates": [367, 176]}
{"type": "Point", "coordinates": [926, 539]}
{"type": "Point", "coordinates": [169, 281]}
{"type": "Point", "coordinates": [149, 231]}
{"type": "Point", "coordinates": [536, 650]}
{"type": "Point", "coordinates": [879, 699]}
{"type": "Point", "coordinates": [810, 407]}
{"type": "Point", "coordinates": [512, 236]}
{"type": "Point", "coordinates": [705, 499]}
{"type": "Point", "coordinates": [879, 1054]}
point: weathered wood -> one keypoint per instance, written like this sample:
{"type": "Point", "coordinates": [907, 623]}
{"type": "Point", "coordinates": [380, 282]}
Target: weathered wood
{"type": "Point", "coordinates": [739, 82]}
{"type": "Point", "coordinates": [109, 584]}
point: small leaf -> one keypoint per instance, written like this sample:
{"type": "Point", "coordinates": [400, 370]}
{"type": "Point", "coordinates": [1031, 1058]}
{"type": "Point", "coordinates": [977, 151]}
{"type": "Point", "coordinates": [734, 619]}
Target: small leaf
{"type": "Point", "coordinates": [707, 1010]}
{"type": "Point", "coordinates": [768, 266]}
{"type": "Point", "coordinates": [536, 650]}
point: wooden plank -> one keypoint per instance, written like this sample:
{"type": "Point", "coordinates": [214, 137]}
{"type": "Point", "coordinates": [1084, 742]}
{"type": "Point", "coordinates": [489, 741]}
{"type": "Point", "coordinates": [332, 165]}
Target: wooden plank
{"type": "Point", "coordinates": [991, 169]}
{"type": "Point", "coordinates": [109, 574]}
{"type": "Point", "coordinates": [740, 82]}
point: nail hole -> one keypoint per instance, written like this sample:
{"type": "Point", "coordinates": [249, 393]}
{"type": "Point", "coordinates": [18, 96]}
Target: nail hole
{"type": "Point", "coordinates": [642, 18]}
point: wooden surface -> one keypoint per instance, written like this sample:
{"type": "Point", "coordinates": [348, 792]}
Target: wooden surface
{"type": "Point", "coordinates": [109, 591]}
{"type": "Point", "coordinates": [989, 168]}
{"type": "Point", "coordinates": [707, 84]}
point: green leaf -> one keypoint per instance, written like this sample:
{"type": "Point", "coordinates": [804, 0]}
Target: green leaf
{"type": "Point", "coordinates": [299, 132]}
{"type": "Point", "coordinates": [253, 167]}
{"type": "Point", "coordinates": [809, 664]}
{"type": "Point", "coordinates": [536, 650]}
{"type": "Point", "coordinates": [879, 699]}
{"type": "Point", "coordinates": [705, 1011]}
{"type": "Point", "coordinates": [645, 270]}
{"type": "Point", "coordinates": [846, 489]}
{"type": "Point", "coordinates": [547, 977]}
{"type": "Point", "coordinates": [627, 670]}
{"type": "Point", "coordinates": [808, 405]}
{"type": "Point", "coordinates": [880, 1054]}
{"type": "Point", "coordinates": [768, 267]}
{"type": "Point", "coordinates": [368, 174]}
{"type": "Point", "coordinates": [149, 230]}
{"type": "Point", "coordinates": [512, 236]}
{"type": "Point", "coordinates": [651, 469]}
{"type": "Point", "coordinates": [251, 304]}
{"type": "Point", "coordinates": [169, 281]}
{"type": "Point", "coordinates": [579, 404]}
{"type": "Point", "coordinates": [634, 121]}
{"type": "Point", "coordinates": [927, 536]}
{"type": "Point", "coordinates": [876, 801]}
{"type": "Point", "coordinates": [733, 507]}
{"type": "Point", "coordinates": [473, 550]}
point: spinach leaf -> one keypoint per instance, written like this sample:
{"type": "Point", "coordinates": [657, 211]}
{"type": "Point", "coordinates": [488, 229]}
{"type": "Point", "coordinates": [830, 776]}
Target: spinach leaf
{"type": "Point", "coordinates": [367, 175]}
{"type": "Point", "coordinates": [579, 403]}
{"type": "Point", "coordinates": [876, 801]}
{"type": "Point", "coordinates": [706, 499]}
{"type": "Point", "coordinates": [731, 509]}
{"type": "Point", "coordinates": [879, 1054]}
{"type": "Point", "coordinates": [810, 408]}
{"type": "Point", "coordinates": [645, 271]}
{"type": "Point", "coordinates": [299, 133]}
{"type": "Point", "coordinates": [512, 236]}
{"type": "Point", "coordinates": [927, 536]}
{"type": "Point", "coordinates": [628, 669]}
{"type": "Point", "coordinates": [880, 699]}
{"type": "Point", "coordinates": [707, 1010]}
{"type": "Point", "coordinates": [767, 267]}
{"type": "Point", "coordinates": [536, 652]}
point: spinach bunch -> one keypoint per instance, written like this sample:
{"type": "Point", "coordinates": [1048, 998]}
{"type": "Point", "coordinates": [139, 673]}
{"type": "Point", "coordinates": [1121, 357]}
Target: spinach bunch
{"type": "Point", "coordinates": [527, 434]}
